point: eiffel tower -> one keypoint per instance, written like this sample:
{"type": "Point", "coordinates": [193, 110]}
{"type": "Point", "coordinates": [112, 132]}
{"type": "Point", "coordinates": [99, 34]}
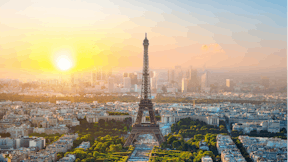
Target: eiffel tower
{"type": "Point", "coordinates": [145, 105]}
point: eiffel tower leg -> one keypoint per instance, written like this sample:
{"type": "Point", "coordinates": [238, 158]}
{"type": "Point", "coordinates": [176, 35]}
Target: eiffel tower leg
{"type": "Point", "coordinates": [159, 138]}
{"type": "Point", "coordinates": [130, 139]}
{"type": "Point", "coordinates": [139, 116]}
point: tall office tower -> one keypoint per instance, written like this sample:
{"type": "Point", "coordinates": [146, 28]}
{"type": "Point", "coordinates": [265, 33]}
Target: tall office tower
{"type": "Point", "coordinates": [184, 85]}
{"type": "Point", "coordinates": [168, 75]}
{"type": "Point", "coordinates": [127, 82]}
{"type": "Point", "coordinates": [97, 74]}
{"type": "Point", "coordinates": [133, 78]}
{"type": "Point", "coordinates": [125, 75]}
{"type": "Point", "coordinates": [111, 84]}
{"type": "Point", "coordinates": [178, 76]}
{"type": "Point", "coordinates": [171, 75]}
{"type": "Point", "coordinates": [109, 73]}
{"type": "Point", "coordinates": [228, 83]}
{"type": "Point", "coordinates": [139, 78]}
{"type": "Point", "coordinates": [204, 82]}
{"type": "Point", "coordinates": [193, 83]}
{"type": "Point", "coordinates": [91, 78]}
{"type": "Point", "coordinates": [265, 81]}
{"type": "Point", "coordinates": [153, 83]}
{"type": "Point", "coordinates": [152, 74]}
{"type": "Point", "coordinates": [72, 79]}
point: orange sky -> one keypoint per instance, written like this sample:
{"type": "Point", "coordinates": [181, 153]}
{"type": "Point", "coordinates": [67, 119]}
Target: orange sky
{"type": "Point", "coordinates": [110, 34]}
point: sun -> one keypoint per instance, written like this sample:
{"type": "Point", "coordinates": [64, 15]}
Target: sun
{"type": "Point", "coordinates": [64, 63]}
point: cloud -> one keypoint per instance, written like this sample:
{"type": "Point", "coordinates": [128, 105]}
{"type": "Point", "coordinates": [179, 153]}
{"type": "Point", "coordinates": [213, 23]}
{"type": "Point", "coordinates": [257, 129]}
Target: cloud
{"type": "Point", "coordinates": [214, 48]}
{"type": "Point", "coordinates": [205, 47]}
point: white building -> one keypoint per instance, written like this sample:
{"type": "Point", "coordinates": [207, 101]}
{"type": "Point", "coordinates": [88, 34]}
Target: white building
{"type": "Point", "coordinates": [153, 82]}
{"type": "Point", "coordinates": [127, 82]}
{"type": "Point", "coordinates": [206, 159]}
{"type": "Point", "coordinates": [36, 143]}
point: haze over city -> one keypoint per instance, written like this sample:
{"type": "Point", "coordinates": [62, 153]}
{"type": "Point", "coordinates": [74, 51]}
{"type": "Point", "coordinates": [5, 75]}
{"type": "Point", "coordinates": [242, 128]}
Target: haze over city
{"type": "Point", "coordinates": [246, 37]}
{"type": "Point", "coordinates": [131, 81]}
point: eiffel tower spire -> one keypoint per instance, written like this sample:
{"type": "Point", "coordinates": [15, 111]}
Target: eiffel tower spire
{"type": "Point", "coordinates": [145, 91]}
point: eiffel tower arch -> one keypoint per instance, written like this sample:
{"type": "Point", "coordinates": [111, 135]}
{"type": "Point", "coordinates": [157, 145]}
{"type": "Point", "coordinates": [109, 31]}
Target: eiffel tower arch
{"type": "Point", "coordinates": [145, 105]}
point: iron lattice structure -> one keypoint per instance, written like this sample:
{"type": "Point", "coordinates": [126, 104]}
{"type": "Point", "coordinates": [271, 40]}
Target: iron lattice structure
{"type": "Point", "coordinates": [145, 105]}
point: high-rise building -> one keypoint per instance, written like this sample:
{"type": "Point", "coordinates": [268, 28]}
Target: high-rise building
{"type": "Point", "coordinates": [204, 82]}
{"type": "Point", "coordinates": [178, 76]}
{"type": "Point", "coordinates": [98, 74]}
{"type": "Point", "coordinates": [153, 83]}
{"type": "Point", "coordinates": [127, 82]}
{"type": "Point", "coordinates": [265, 81]}
{"type": "Point", "coordinates": [184, 85]}
{"type": "Point", "coordinates": [171, 75]}
{"type": "Point", "coordinates": [125, 75]}
{"type": "Point", "coordinates": [139, 78]}
{"type": "Point", "coordinates": [72, 79]}
{"type": "Point", "coordinates": [111, 85]}
{"type": "Point", "coordinates": [193, 84]}
{"type": "Point", "coordinates": [133, 78]}
{"type": "Point", "coordinates": [228, 83]}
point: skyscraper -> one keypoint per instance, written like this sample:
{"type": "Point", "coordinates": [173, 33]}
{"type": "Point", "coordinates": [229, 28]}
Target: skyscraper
{"type": "Point", "coordinates": [139, 78]}
{"type": "Point", "coordinates": [72, 79]}
{"type": "Point", "coordinates": [184, 85]}
{"type": "Point", "coordinates": [228, 83]}
{"type": "Point", "coordinates": [133, 78]}
{"type": "Point", "coordinates": [127, 82]}
{"type": "Point", "coordinates": [125, 75]}
{"type": "Point", "coordinates": [193, 84]}
{"type": "Point", "coordinates": [153, 83]}
{"type": "Point", "coordinates": [204, 82]}
{"type": "Point", "coordinates": [178, 76]}
{"type": "Point", "coordinates": [171, 76]}
{"type": "Point", "coordinates": [111, 84]}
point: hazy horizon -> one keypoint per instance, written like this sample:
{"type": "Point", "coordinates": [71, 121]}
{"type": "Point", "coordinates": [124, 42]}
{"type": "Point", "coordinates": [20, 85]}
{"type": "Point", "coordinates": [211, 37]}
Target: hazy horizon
{"type": "Point", "coordinates": [236, 37]}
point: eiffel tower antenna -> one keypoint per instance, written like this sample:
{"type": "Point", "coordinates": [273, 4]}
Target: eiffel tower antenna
{"type": "Point", "coordinates": [145, 105]}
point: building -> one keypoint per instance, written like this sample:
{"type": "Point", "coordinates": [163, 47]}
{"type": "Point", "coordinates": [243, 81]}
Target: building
{"type": "Point", "coordinates": [139, 78]}
{"type": "Point", "coordinates": [171, 76]}
{"type": "Point", "coordinates": [7, 143]}
{"type": "Point", "coordinates": [133, 78]}
{"type": "Point", "coordinates": [228, 83]}
{"type": "Point", "coordinates": [178, 76]}
{"type": "Point", "coordinates": [184, 85]}
{"type": "Point", "coordinates": [125, 75]}
{"type": "Point", "coordinates": [111, 85]}
{"type": "Point", "coordinates": [274, 126]}
{"type": "Point", "coordinates": [204, 82]}
{"type": "Point", "coordinates": [193, 84]}
{"type": "Point", "coordinates": [38, 143]}
{"type": "Point", "coordinates": [228, 150]}
{"type": "Point", "coordinates": [153, 83]}
{"type": "Point", "coordinates": [206, 159]}
{"type": "Point", "coordinates": [84, 145]}
{"type": "Point", "coordinates": [127, 82]}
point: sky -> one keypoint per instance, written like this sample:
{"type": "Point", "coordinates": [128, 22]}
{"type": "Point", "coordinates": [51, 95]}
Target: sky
{"type": "Point", "coordinates": [239, 36]}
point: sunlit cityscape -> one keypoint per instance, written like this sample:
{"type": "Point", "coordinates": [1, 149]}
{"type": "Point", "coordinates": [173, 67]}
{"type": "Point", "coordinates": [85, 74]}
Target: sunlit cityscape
{"type": "Point", "coordinates": [99, 81]}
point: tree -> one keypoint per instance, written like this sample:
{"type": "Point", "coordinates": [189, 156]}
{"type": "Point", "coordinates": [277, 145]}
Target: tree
{"type": "Point", "coordinates": [101, 122]}
{"type": "Point", "coordinates": [164, 89]}
{"type": "Point", "coordinates": [115, 148]}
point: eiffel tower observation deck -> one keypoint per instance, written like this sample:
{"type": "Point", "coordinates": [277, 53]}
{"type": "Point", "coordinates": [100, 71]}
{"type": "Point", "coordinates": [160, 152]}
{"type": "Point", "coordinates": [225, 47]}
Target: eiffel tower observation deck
{"type": "Point", "coordinates": [145, 105]}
